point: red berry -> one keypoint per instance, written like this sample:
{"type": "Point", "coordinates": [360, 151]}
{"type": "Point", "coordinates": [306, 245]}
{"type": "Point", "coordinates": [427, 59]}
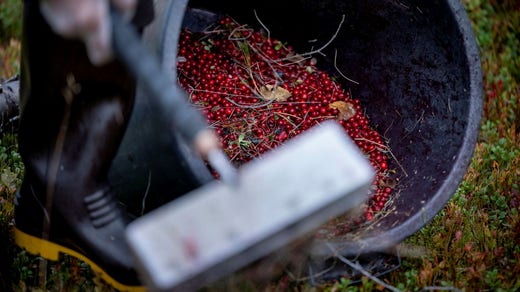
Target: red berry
{"type": "Point", "coordinates": [226, 84]}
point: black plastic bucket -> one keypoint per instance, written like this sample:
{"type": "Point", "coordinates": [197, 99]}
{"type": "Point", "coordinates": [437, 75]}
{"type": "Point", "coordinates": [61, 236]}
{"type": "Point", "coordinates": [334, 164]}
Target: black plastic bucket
{"type": "Point", "coordinates": [420, 81]}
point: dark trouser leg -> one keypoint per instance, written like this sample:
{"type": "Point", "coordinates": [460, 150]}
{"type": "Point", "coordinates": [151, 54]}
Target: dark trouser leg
{"type": "Point", "coordinates": [73, 118]}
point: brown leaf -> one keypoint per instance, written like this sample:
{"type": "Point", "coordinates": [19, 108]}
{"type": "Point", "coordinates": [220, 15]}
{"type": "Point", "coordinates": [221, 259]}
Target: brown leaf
{"type": "Point", "coordinates": [346, 109]}
{"type": "Point", "coordinates": [277, 93]}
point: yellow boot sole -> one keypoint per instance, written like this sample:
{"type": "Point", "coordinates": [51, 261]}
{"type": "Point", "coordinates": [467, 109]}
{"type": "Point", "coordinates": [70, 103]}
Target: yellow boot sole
{"type": "Point", "coordinates": [51, 251]}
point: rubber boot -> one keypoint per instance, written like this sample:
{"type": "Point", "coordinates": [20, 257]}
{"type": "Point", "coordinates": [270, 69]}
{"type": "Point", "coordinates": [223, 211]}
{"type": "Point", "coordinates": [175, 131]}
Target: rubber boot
{"type": "Point", "coordinates": [73, 117]}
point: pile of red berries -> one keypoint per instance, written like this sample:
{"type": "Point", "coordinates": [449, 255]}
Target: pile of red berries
{"type": "Point", "coordinates": [257, 93]}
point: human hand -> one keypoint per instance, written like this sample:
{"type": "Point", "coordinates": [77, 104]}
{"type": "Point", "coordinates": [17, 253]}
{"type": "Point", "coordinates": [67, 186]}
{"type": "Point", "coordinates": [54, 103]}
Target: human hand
{"type": "Point", "coordinates": [87, 20]}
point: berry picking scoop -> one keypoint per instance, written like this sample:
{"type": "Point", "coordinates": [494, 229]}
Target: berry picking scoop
{"type": "Point", "coordinates": [227, 224]}
{"type": "Point", "coordinates": [281, 197]}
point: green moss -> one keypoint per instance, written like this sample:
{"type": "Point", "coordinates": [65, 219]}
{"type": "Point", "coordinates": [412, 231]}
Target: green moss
{"type": "Point", "coordinates": [11, 20]}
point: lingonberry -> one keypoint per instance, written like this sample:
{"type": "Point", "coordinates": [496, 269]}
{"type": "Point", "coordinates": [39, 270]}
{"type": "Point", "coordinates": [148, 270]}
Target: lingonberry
{"type": "Point", "coordinates": [258, 93]}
